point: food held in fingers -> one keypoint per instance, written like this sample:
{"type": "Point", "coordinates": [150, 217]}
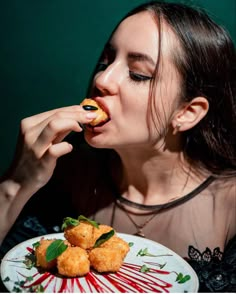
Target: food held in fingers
{"type": "Point", "coordinates": [92, 105]}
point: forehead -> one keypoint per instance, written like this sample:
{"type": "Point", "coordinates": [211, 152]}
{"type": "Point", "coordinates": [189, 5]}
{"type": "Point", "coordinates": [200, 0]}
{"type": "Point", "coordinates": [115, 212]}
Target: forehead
{"type": "Point", "coordinates": [139, 32]}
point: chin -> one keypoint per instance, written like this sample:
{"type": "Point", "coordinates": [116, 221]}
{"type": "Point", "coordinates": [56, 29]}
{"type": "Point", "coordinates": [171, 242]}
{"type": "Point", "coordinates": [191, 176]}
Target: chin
{"type": "Point", "coordinates": [96, 140]}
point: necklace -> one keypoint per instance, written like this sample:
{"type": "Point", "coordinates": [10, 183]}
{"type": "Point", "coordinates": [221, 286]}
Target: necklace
{"type": "Point", "coordinates": [139, 227]}
{"type": "Point", "coordinates": [120, 201]}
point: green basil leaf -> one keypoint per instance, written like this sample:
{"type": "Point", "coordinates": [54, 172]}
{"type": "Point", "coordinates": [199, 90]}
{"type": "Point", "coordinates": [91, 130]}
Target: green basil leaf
{"type": "Point", "coordinates": [131, 244]}
{"type": "Point", "coordinates": [69, 221]}
{"type": "Point", "coordinates": [103, 238]}
{"type": "Point", "coordinates": [93, 223]}
{"type": "Point", "coordinates": [55, 249]}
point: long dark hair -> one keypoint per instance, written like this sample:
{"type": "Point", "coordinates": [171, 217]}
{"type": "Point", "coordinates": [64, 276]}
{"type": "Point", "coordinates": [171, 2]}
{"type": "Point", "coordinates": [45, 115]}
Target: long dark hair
{"type": "Point", "coordinates": [207, 65]}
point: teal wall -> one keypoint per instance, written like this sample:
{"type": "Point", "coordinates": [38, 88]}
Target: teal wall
{"type": "Point", "coordinates": [48, 50]}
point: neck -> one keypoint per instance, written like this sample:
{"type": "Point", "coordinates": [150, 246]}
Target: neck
{"type": "Point", "coordinates": [152, 177]}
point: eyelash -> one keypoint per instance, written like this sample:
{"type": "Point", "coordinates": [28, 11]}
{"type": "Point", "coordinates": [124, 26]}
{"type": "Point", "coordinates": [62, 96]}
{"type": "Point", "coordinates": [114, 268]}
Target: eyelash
{"type": "Point", "coordinates": [137, 78]}
{"type": "Point", "coordinates": [134, 77]}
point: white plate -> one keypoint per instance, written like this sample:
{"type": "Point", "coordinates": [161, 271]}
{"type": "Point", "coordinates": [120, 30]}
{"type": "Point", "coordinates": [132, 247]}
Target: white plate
{"type": "Point", "coordinates": [16, 277]}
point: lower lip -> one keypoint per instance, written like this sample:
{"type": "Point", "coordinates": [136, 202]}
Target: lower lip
{"type": "Point", "coordinates": [97, 128]}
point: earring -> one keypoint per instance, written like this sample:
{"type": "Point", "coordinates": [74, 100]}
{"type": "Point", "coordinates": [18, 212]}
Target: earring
{"type": "Point", "coordinates": [176, 129]}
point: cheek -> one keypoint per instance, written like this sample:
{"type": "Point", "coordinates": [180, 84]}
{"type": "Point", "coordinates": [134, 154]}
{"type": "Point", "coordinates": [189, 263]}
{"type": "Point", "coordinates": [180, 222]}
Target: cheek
{"type": "Point", "coordinates": [134, 108]}
{"type": "Point", "coordinates": [132, 125]}
{"type": "Point", "coordinates": [134, 97]}
{"type": "Point", "coordinates": [166, 102]}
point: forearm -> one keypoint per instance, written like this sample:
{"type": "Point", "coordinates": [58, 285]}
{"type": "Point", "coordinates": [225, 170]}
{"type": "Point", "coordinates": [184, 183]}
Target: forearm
{"type": "Point", "coordinates": [40, 144]}
{"type": "Point", "coordinates": [13, 197]}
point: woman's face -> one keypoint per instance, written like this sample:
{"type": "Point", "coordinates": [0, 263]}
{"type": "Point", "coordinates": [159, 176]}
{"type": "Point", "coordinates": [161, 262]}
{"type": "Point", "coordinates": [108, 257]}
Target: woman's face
{"type": "Point", "coordinates": [122, 83]}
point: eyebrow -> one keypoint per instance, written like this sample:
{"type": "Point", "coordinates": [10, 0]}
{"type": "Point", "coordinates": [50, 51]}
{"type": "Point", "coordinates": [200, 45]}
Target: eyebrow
{"type": "Point", "coordinates": [136, 56]}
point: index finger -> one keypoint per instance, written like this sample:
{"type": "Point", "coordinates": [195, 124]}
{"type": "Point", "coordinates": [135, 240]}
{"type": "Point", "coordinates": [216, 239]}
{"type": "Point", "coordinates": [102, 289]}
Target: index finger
{"type": "Point", "coordinates": [37, 118]}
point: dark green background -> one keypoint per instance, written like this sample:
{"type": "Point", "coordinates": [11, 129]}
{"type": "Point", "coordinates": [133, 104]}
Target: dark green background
{"type": "Point", "coordinates": [49, 48]}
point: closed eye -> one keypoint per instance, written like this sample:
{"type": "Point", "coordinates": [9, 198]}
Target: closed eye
{"type": "Point", "coordinates": [138, 77]}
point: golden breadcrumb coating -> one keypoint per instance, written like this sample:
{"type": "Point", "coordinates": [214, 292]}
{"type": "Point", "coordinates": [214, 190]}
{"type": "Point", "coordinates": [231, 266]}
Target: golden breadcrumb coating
{"type": "Point", "coordinates": [105, 259]}
{"type": "Point", "coordinates": [81, 253]}
{"type": "Point", "coordinates": [115, 242]}
{"type": "Point", "coordinates": [73, 262]}
{"type": "Point", "coordinates": [81, 235]}
{"type": "Point", "coordinates": [102, 229]}
{"type": "Point", "coordinates": [102, 116]}
{"type": "Point", "coordinates": [40, 254]}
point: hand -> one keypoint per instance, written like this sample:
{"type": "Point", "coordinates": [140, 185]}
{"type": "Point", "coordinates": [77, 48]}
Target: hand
{"type": "Point", "coordinates": [40, 144]}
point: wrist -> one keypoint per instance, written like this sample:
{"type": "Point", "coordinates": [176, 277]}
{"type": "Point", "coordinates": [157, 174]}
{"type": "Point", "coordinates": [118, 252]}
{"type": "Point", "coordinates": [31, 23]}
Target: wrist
{"type": "Point", "coordinates": [9, 189]}
{"type": "Point", "coordinates": [8, 192]}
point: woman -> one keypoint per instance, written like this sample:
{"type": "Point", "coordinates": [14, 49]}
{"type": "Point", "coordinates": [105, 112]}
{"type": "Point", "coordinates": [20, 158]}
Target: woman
{"type": "Point", "coordinates": [163, 165]}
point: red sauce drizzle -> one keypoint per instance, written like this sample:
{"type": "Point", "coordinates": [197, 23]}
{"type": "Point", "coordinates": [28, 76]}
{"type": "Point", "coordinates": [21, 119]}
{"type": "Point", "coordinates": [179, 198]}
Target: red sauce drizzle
{"type": "Point", "coordinates": [31, 250]}
{"type": "Point", "coordinates": [128, 278]}
{"type": "Point", "coordinates": [97, 283]}
{"type": "Point", "coordinates": [139, 282]}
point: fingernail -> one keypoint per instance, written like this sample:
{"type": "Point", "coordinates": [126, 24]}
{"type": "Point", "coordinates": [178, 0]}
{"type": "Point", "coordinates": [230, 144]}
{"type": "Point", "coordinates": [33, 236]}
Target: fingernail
{"type": "Point", "coordinates": [91, 115]}
{"type": "Point", "coordinates": [89, 107]}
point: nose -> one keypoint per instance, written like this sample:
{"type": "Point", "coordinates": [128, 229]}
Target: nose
{"type": "Point", "coordinates": [107, 81]}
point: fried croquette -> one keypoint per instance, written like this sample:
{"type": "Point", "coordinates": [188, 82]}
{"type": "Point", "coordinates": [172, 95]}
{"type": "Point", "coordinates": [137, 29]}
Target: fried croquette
{"type": "Point", "coordinates": [85, 249]}
{"type": "Point", "coordinates": [40, 254]}
{"type": "Point", "coordinates": [105, 259]}
{"type": "Point", "coordinates": [102, 116]}
{"type": "Point", "coordinates": [98, 232]}
{"type": "Point", "coordinates": [73, 262]}
{"type": "Point", "coordinates": [109, 256]}
{"type": "Point", "coordinates": [115, 242]}
{"type": "Point", "coordinates": [80, 235]}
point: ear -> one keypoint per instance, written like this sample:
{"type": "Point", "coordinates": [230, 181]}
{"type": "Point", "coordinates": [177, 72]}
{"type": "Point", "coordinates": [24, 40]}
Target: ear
{"type": "Point", "coordinates": [189, 115]}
